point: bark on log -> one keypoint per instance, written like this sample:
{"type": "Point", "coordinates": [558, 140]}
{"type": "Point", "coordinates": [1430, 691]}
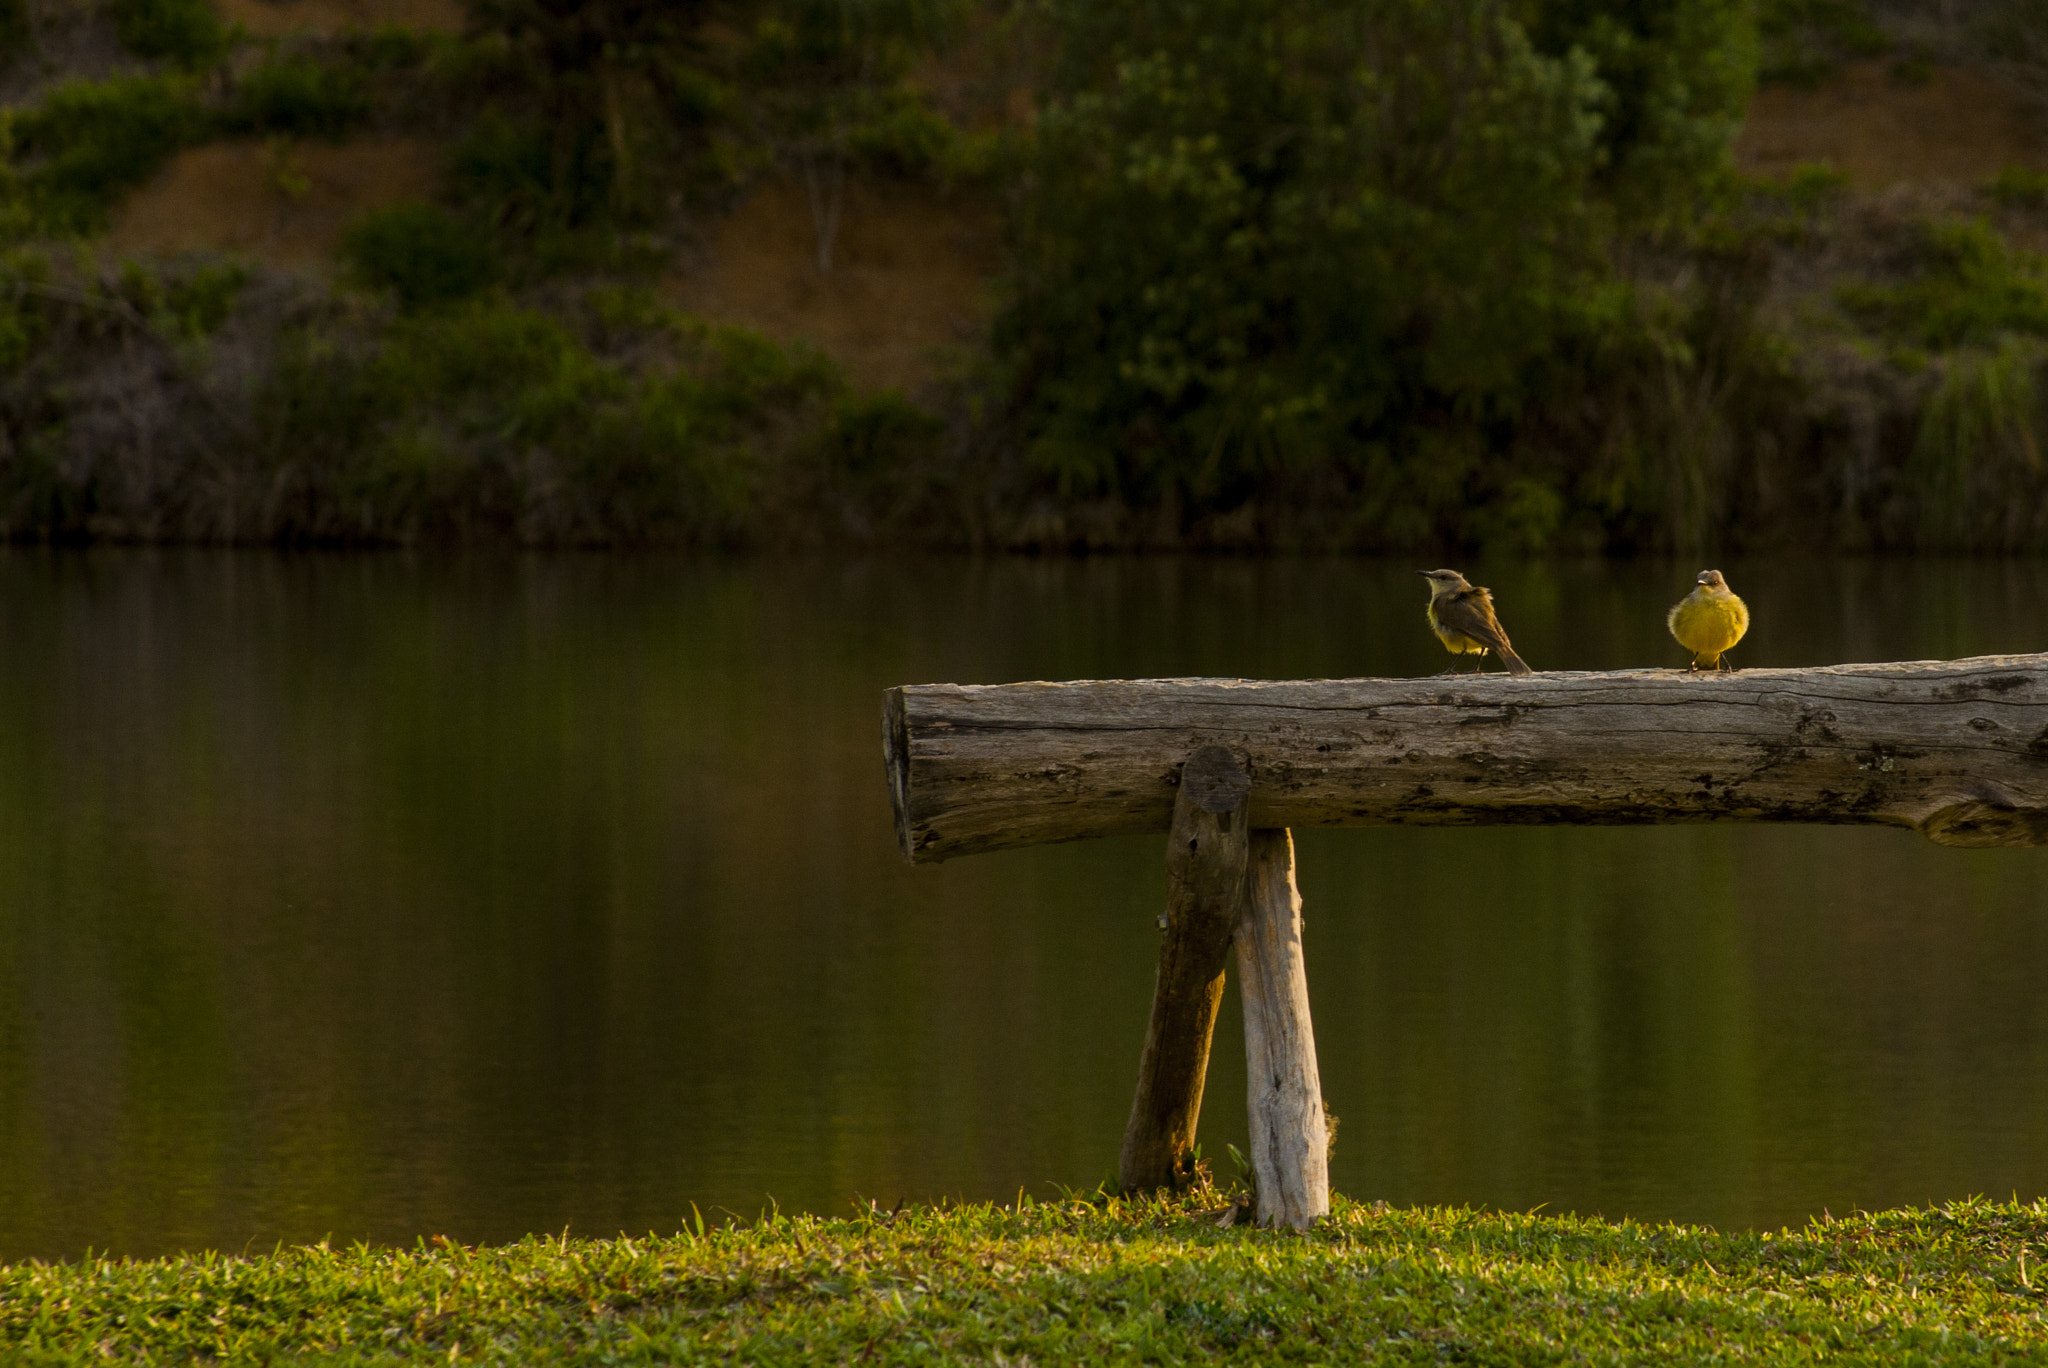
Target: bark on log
{"type": "Point", "coordinates": [1957, 750]}
{"type": "Point", "coordinates": [1290, 1139]}
{"type": "Point", "coordinates": [1206, 852]}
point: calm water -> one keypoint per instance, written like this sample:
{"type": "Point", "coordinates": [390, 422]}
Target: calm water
{"type": "Point", "coordinates": [376, 897]}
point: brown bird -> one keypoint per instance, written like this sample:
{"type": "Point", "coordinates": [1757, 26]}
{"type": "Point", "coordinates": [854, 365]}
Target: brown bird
{"type": "Point", "coordinates": [1461, 615]}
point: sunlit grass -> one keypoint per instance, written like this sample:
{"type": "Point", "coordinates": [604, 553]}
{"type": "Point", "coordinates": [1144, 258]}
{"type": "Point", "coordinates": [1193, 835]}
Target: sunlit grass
{"type": "Point", "coordinates": [1071, 1282]}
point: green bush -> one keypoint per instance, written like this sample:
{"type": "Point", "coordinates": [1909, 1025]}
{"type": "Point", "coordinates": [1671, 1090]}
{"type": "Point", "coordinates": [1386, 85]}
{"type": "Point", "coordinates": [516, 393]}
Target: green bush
{"type": "Point", "coordinates": [422, 253]}
{"type": "Point", "coordinates": [199, 301]}
{"type": "Point", "coordinates": [1354, 261]}
{"type": "Point", "coordinates": [24, 323]}
{"type": "Point", "coordinates": [487, 416]}
{"type": "Point", "coordinates": [1976, 459]}
{"type": "Point", "coordinates": [505, 168]}
{"type": "Point", "coordinates": [187, 32]}
{"type": "Point", "coordinates": [1255, 245]}
{"type": "Point", "coordinates": [1804, 42]}
{"type": "Point", "coordinates": [89, 141]}
{"type": "Point", "coordinates": [1812, 185]}
{"type": "Point", "coordinates": [1969, 286]}
{"type": "Point", "coordinates": [1677, 77]}
{"type": "Point", "coordinates": [904, 136]}
{"type": "Point", "coordinates": [873, 436]}
{"type": "Point", "coordinates": [300, 95]}
{"type": "Point", "coordinates": [182, 303]}
{"type": "Point", "coordinates": [877, 464]}
{"type": "Point", "coordinates": [388, 47]}
{"type": "Point", "coordinates": [572, 136]}
{"type": "Point", "coordinates": [2019, 187]}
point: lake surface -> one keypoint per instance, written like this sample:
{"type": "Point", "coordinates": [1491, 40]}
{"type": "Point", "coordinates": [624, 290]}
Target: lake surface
{"type": "Point", "coordinates": [377, 897]}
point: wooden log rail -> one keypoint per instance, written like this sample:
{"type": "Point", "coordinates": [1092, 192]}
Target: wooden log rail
{"type": "Point", "coordinates": [1956, 750]}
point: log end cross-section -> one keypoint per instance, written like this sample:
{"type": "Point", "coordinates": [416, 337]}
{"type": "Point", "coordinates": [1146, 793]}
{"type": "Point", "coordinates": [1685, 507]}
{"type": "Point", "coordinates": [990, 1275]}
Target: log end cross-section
{"type": "Point", "coordinates": [1957, 750]}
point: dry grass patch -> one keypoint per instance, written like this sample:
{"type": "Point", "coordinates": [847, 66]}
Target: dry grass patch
{"type": "Point", "coordinates": [1958, 127]}
{"type": "Point", "coordinates": [909, 282]}
{"type": "Point", "coordinates": [283, 18]}
{"type": "Point", "coordinates": [278, 202]}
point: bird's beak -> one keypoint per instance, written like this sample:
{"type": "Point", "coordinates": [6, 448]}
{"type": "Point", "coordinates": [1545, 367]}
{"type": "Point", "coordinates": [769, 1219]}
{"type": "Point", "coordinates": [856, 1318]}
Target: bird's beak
{"type": "Point", "coordinates": [1701, 580]}
{"type": "Point", "coordinates": [1423, 573]}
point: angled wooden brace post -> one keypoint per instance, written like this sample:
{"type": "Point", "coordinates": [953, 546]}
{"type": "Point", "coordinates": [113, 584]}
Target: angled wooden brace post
{"type": "Point", "coordinates": [1228, 885]}
{"type": "Point", "coordinates": [1208, 849]}
{"type": "Point", "coordinates": [1956, 750]}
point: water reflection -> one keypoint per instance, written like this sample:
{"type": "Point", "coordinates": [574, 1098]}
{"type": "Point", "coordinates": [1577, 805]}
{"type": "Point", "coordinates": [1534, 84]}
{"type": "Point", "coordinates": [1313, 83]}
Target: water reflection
{"type": "Point", "coordinates": [377, 897]}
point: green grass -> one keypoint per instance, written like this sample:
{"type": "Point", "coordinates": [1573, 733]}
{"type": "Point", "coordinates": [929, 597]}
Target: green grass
{"type": "Point", "coordinates": [1071, 1282]}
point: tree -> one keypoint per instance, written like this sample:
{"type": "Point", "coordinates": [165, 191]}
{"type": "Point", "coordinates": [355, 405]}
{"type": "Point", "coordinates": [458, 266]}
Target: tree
{"type": "Point", "coordinates": [1348, 241]}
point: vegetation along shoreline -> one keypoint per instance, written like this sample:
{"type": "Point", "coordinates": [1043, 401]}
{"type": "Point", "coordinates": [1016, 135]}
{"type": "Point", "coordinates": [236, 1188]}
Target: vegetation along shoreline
{"type": "Point", "coordinates": [971, 273]}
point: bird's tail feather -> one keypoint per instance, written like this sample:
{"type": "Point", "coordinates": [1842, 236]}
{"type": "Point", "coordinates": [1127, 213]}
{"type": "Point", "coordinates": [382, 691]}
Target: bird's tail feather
{"type": "Point", "coordinates": [1515, 664]}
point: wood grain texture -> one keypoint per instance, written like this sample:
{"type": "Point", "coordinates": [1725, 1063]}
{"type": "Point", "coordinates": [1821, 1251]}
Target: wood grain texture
{"type": "Point", "coordinates": [1290, 1139]}
{"type": "Point", "coordinates": [1206, 852]}
{"type": "Point", "coordinates": [1957, 750]}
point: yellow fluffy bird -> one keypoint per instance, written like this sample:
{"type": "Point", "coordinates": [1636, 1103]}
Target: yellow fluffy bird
{"type": "Point", "coordinates": [1709, 621]}
{"type": "Point", "coordinates": [1461, 615]}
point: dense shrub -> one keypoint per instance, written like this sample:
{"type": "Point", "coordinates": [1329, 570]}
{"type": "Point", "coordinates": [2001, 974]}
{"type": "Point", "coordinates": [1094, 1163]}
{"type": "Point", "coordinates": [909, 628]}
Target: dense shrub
{"type": "Point", "coordinates": [1354, 274]}
{"type": "Point", "coordinates": [506, 169]}
{"type": "Point", "coordinates": [903, 135]}
{"type": "Point", "coordinates": [202, 403]}
{"type": "Point", "coordinates": [1969, 287]}
{"type": "Point", "coordinates": [1805, 41]}
{"type": "Point", "coordinates": [575, 100]}
{"type": "Point", "coordinates": [186, 32]}
{"type": "Point", "coordinates": [186, 305]}
{"type": "Point", "coordinates": [876, 466]}
{"type": "Point", "coordinates": [1677, 76]}
{"type": "Point", "coordinates": [1264, 240]}
{"type": "Point", "coordinates": [1974, 476]}
{"type": "Point", "coordinates": [422, 253]}
{"type": "Point", "coordinates": [495, 419]}
{"type": "Point", "coordinates": [302, 95]}
{"type": "Point", "coordinates": [2019, 187]}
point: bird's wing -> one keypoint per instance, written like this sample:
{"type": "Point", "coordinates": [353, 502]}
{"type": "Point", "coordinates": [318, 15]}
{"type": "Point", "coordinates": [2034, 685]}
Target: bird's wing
{"type": "Point", "coordinates": [1471, 611]}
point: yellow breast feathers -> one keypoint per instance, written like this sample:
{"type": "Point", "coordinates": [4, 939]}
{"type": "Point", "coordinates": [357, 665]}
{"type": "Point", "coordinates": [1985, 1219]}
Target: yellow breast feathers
{"type": "Point", "coordinates": [1709, 620]}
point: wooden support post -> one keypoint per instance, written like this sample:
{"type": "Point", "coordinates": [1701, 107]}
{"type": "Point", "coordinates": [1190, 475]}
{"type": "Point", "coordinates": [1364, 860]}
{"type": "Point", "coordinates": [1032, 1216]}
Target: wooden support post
{"type": "Point", "coordinates": [1206, 851]}
{"type": "Point", "coordinates": [1290, 1139]}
